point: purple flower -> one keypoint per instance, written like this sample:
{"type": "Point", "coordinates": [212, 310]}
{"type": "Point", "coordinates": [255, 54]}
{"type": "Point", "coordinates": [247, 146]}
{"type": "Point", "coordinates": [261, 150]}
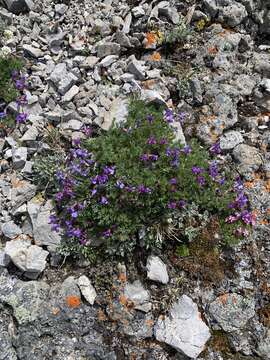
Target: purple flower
{"type": "Point", "coordinates": [248, 217]}
{"type": "Point", "coordinates": [163, 141]}
{"type": "Point", "coordinates": [172, 205]}
{"type": "Point", "coordinates": [60, 176]}
{"type": "Point", "coordinates": [175, 163]}
{"type": "Point", "coordinates": [196, 170]}
{"type": "Point", "coordinates": [144, 157]}
{"type": "Point", "coordinates": [87, 130]}
{"type": "Point", "coordinates": [215, 148]}
{"type": "Point", "coordinates": [53, 220]}
{"type": "Point", "coordinates": [75, 232]}
{"type": "Point", "coordinates": [153, 157]}
{"type": "Point", "coordinates": [213, 170]}
{"type": "Point", "coordinates": [151, 140]}
{"type": "Point", "coordinates": [143, 189]}
{"type": "Point", "coordinates": [94, 191]}
{"type": "Point", "coordinates": [2, 115]}
{"type": "Point", "coordinates": [182, 203]}
{"type": "Point", "coordinates": [201, 180]}
{"type": "Point", "coordinates": [233, 218]}
{"type": "Point", "coordinates": [107, 233]}
{"type": "Point", "coordinates": [182, 117]}
{"type": "Point", "coordinates": [76, 141]}
{"type": "Point", "coordinates": [241, 200]}
{"type": "Point", "coordinates": [21, 100]}
{"type": "Point", "coordinates": [222, 181]}
{"type": "Point", "coordinates": [14, 74]}
{"type": "Point", "coordinates": [150, 118]}
{"type": "Point", "coordinates": [21, 118]}
{"type": "Point", "coordinates": [20, 83]}
{"type": "Point", "coordinates": [173, 181]}
{"type": "Point", "coordinates": [130, 188]}
{"type": "Point", "coordinates": [169, 116]}
{"type": "Point", "coordinates": [59, 196]}
{"type": "Point", "coordinates": [120, 184]}
{"type": "Point", "coordinates": [104, 200]}
{"type": "Point", "coordinates": [238, 185]}
{"type": "Point", "coordinates": [168, 152]}
{"type": "Point", "coordinates": [187, 150]}
{"type": "Point", "coordinates": [109, 170]}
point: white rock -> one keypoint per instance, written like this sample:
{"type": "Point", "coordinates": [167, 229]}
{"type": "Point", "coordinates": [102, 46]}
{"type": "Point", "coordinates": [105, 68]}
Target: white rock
{"type": "Point", "coordinates": [87, 289]}
{"type": "Point", "coordinates": [157, 270]}
{"type": "Point", "coordinates": [29, 258]}
{"type": "Point", "coordinates": [19, 156]}
{"type": "Point", "coordinates": [118, 113]}
{"type": "Point", "coordinates": [140, 297]}
{"type": "Point", "coordinates": [183, 329]}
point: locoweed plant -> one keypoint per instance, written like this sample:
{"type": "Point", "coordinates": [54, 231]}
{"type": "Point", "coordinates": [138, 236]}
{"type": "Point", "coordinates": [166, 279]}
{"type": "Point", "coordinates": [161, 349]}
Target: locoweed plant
{"type": "Point", "coordinates": [136, 185]}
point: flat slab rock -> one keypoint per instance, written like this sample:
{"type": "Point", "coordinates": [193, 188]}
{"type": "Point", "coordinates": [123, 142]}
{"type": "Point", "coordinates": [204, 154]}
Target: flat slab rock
{"type": "Point", "coordinates": [183, 329]}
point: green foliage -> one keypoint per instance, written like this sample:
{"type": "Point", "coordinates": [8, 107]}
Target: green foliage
{"type": "Point", "coordinates": [44, 170]}
{"type": "Point", "coordinates": [150, 193]}
{"type": "Point", "coordinates": [178, 34]}
{"type": "Point", "coordinates": [8, 91]}
{"type": "Point", "coordinates": [182, 250]}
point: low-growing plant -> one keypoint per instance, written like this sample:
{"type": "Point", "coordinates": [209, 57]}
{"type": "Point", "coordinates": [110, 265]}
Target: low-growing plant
{"type": "Point", "coordinates": [8, 91]}
{"type": "Point", "coordinates": [121, 188]}
{"type": "Point", "coordinates": [44, 169]}
{"type": "Point", "coordinates": [178, 34]}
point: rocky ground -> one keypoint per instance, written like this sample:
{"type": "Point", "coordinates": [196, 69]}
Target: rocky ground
{"type": "Point", "coordinates": [84, 59]}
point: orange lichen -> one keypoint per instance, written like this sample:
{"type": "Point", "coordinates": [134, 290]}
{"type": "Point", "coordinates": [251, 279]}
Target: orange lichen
{"type": "Point", "coordinates": [223, 299]}
{"type": "Point", "coordinates": [212, 50]}
{"type": "Point", "coordinates": [155, 56]}
{"type": "Point", "coordinates": [101, 315]}
{"type": "Point", "coordinates": [122, 277]}
{"type": "Point", "coordinates": [151, 38]}
{"type": "Point", "coordinates": [73, 301]}
{"type": "Point", "coordinates": [123, 299]}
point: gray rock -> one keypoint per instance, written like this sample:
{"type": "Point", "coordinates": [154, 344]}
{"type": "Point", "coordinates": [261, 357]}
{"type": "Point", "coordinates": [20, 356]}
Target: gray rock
{"type": "Point", "coordinates": [232, 311]}
{"type": "Point", "coordinates": [90, 62]}
{"type": "Point", "coordinates": [248, 156]}
{"type": "Point", "coordinates": [39, 215]}
{"type": "Point", "coordinates": [261, 63]}
{"type": "Point", "coordinates": [157, 270]}
{"type": "Point", "coordinates": [33, 51]}
{"type": "Point", "coordinates": [11, 230]}
{"type": "Point", "coordinates": [169, 12]}
{"type": "Point", "coordinates": [140, 297]}
{"type": "Point", "coordinates": [27, 299]}
{"type": "Point", "coordinates": [62, 79]}
{"type": "Point", "coordinates": [19, 156]}
{"type": "Point", "coordinates": [18, 6]}
{"type": "Point", "coordinates": [31, 134]}
{"type": "Point", "coordinates": [108, 60]}
{"type": "Point", "coordinates": [31, 259]}
{"type": "Point", "coordinates": [4, 260]}
{"type": "Point", "coordinates": [262, 95]}
{"type": "Point", "coordinates": [138, 11]}
{"type": "Point", "coordinates": [230, 140]}
{"type": "Point", "coordinates": [136, 68]}
{"type": "Point", "coordinates": [263, 349]}
{"type": "Point", "coordinates": [106, 49]}
{"type": "Point", "coordinates": [233, 14]}
{"type": "Point", "coordinates": [22, 193]}
{"type": "Point", "coordinates": [183, 329]}
{"type": "Point", "coordinates": [71, 93]}
{"type": "Point", "coordinates": [87, 289]}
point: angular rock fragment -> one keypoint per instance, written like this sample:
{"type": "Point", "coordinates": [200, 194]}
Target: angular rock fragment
{"type": "Point", "coordinates": [31, 259]}
{"type": "Point", "coordinates": [183, 329]}
{"type": "Point", "coordinates": [157, 270]}
{"type": "Point", "coordinates": [87, 289]}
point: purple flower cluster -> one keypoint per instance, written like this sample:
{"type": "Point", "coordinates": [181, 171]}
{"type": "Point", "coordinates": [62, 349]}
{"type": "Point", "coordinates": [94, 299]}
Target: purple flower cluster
{"type": "Point", "coordinates": [21, 85]}
{"type": "Point", "coordinates": [176, 204]}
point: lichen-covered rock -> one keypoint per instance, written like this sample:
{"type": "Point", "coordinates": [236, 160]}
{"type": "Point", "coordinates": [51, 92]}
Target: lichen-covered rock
{"type": "Point", "coordinates": [232, 311]}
